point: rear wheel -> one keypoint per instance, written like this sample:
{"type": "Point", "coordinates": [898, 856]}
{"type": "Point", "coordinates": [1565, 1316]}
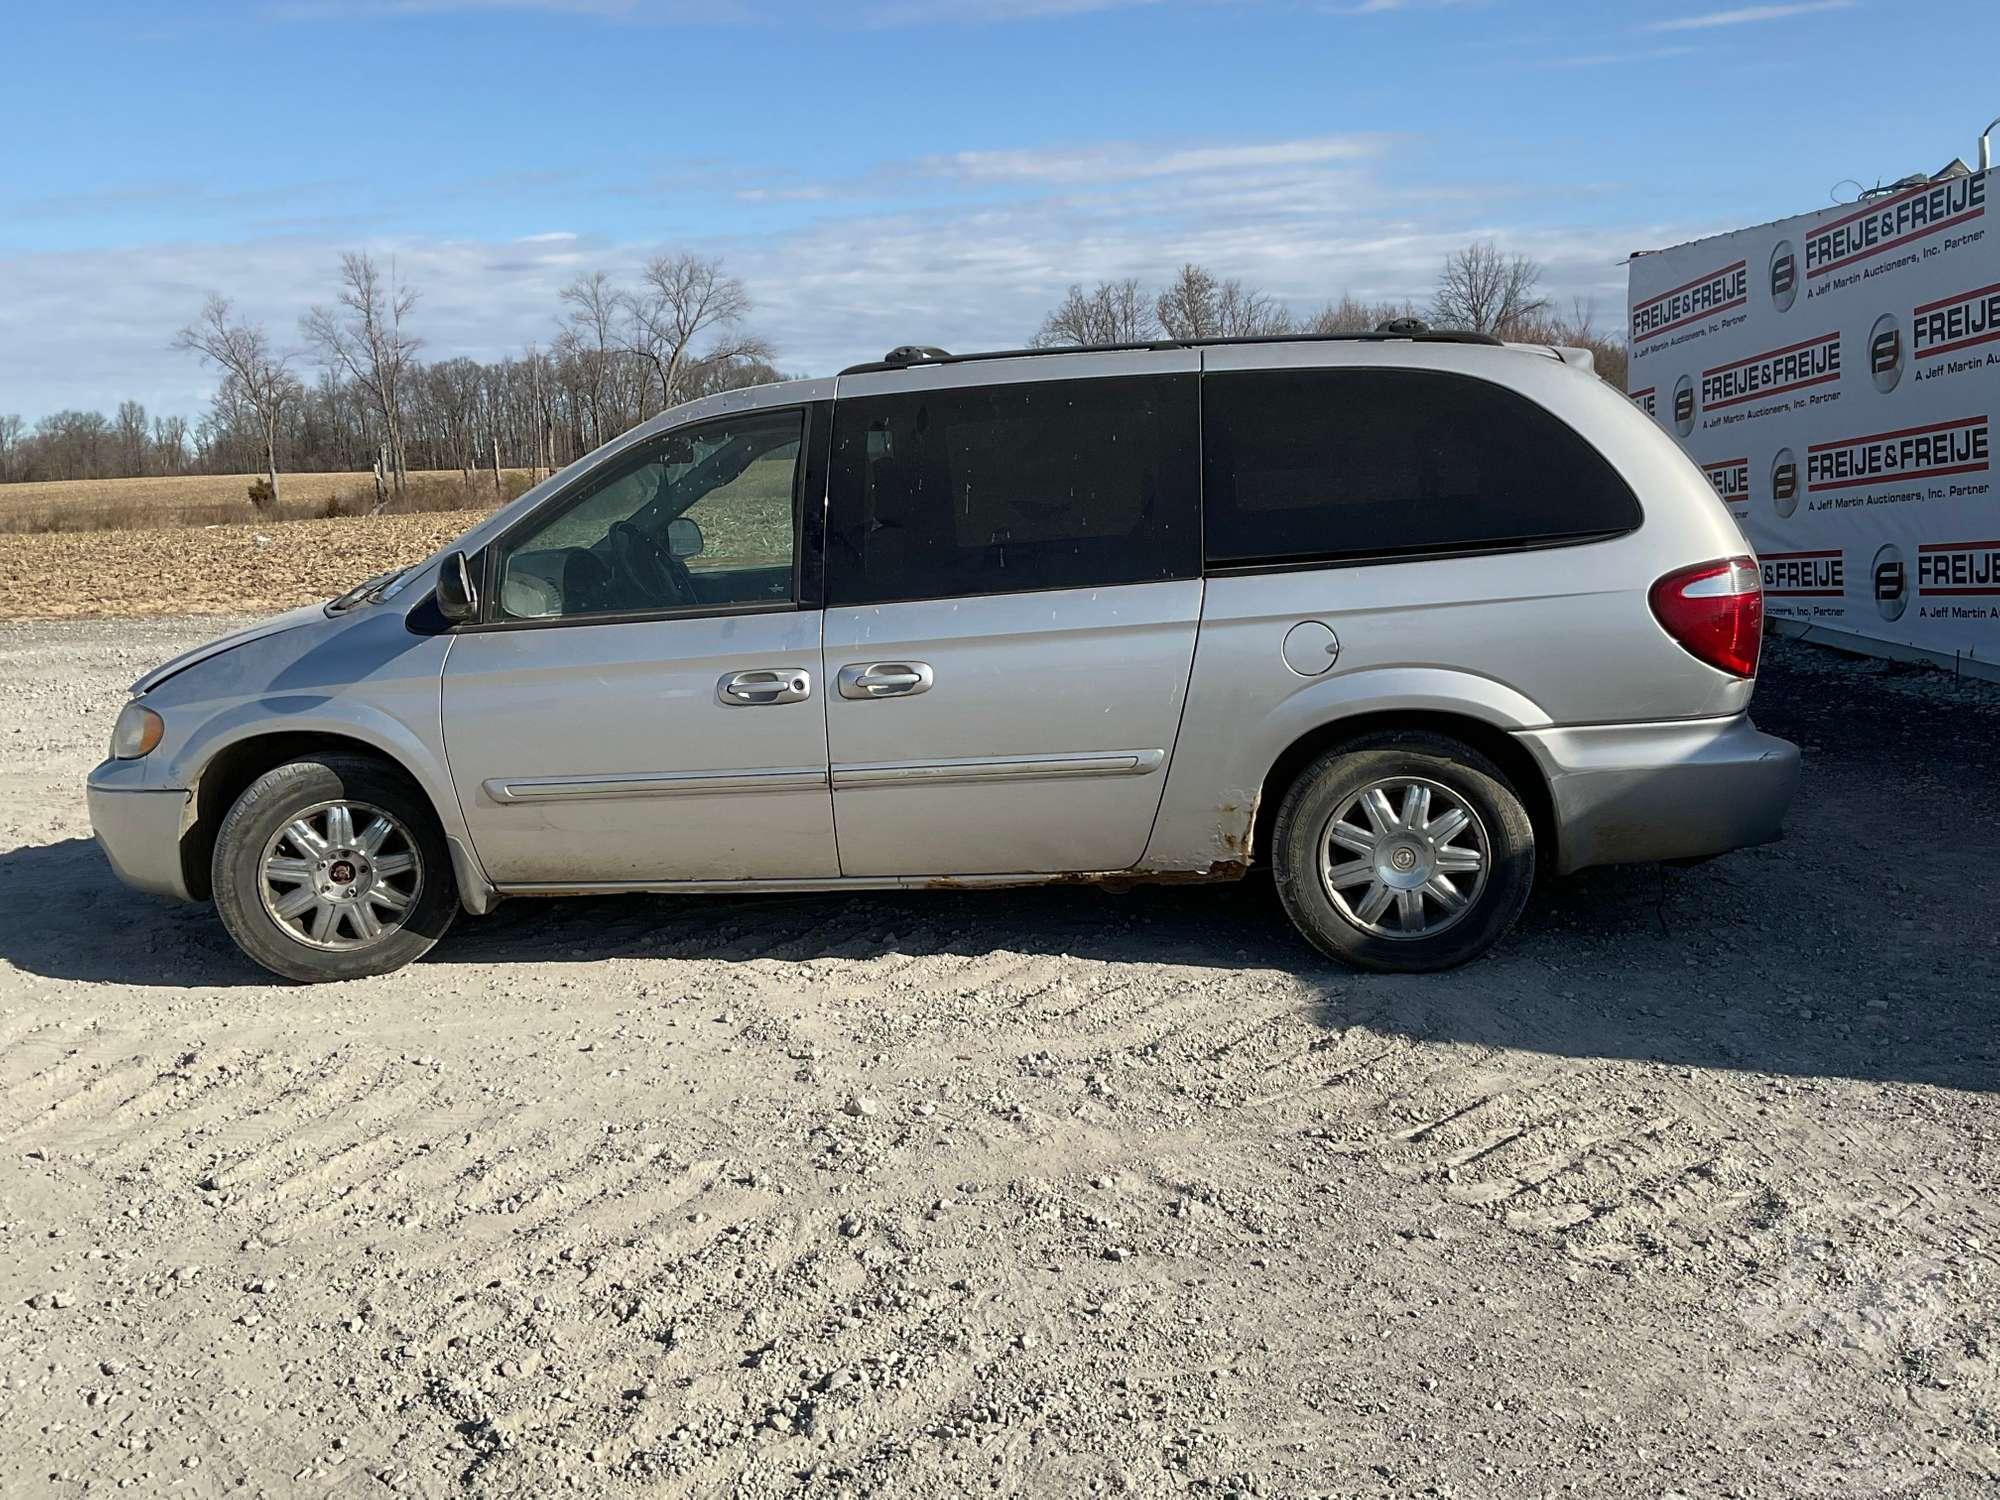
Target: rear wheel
{"type": "Point", "coordinates": [333, 868]}
{"type": "Point", "coordinates": [1403, 852]}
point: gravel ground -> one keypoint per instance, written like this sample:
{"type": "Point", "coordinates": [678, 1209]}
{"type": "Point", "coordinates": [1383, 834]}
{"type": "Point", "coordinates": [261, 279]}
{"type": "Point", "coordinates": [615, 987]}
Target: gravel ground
{"type": "Point", "coordinates": [1690, 1189]}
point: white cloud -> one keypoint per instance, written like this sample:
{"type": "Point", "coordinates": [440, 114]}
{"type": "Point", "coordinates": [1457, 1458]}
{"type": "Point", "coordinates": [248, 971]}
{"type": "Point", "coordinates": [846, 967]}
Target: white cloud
{"type": "Point", "coordinates": [976, 247]}
{"type": "Point", "coordinates": [1124, 161]}
{"type": "Point", "coordinates": [1747, 15]}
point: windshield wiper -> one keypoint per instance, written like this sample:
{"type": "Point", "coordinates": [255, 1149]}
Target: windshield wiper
{"type": "Point", "coordinates": [366, 591]}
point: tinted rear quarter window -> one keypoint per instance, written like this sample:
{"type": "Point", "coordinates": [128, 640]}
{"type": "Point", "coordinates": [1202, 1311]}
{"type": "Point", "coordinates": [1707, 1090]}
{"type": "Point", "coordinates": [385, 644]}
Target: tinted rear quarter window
{"type": "Point", "coordinates": [1327, 465]}
{"type": "Point", "coordinates": [1013, 487]}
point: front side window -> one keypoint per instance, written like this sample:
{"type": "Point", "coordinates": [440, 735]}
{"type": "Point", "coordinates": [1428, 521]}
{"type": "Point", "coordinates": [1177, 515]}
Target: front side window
{"type": "Point", "coordinates": [1014, 487]}
{"type": "Point", "coordinates": [703, 517]}
{"type": "Point", "coordinates": [1304, 465]}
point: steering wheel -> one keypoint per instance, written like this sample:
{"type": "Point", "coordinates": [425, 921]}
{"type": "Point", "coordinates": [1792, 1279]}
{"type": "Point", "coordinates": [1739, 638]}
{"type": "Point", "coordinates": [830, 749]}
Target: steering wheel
{"type": "Point", "coordinates": [659, 576]}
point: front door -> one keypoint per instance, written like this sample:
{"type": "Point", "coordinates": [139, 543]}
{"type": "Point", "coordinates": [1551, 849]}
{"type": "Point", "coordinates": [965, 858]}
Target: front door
{"type": "Point", "coordinates": [642, 701]}
{"type": "Point", "coordinates": [1013, 586]}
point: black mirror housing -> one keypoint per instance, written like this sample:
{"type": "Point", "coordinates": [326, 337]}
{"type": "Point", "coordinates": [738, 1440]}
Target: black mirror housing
{"type": "Point", "coordinates": [684, 538]}
{"type": "Point", "coordinates": [457, 595]}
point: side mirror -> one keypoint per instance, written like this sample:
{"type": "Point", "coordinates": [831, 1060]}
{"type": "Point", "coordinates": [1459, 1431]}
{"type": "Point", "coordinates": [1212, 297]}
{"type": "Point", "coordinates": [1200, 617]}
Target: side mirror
{"type": "Point", "coordinates": [684, 538]}
{"type": "Point", "coordinates": [457, 598]}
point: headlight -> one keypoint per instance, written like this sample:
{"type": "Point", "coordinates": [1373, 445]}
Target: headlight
{"type": "Point", "coordinates": [137, 731]}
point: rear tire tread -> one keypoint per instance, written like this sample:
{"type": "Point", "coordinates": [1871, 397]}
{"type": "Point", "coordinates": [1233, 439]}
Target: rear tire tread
{"type": "Point", "coordinates": [1320, 789]}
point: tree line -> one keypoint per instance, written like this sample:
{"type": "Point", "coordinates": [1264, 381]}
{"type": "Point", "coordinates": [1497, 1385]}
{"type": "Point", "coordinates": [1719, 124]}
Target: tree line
{"type": "Point", "coordinates": [1479, 288]}
{"type": "Point", "coordinates": [354, 392]}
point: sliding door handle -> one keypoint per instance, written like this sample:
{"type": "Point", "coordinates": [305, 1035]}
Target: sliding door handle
{"type": "Point", "coordinates": [763, 686]}
{"type": "Point", "coordinates": [885, 679]}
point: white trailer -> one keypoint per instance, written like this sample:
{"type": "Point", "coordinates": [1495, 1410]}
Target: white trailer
{"type": "Point", "coordinates": [1837, 377]}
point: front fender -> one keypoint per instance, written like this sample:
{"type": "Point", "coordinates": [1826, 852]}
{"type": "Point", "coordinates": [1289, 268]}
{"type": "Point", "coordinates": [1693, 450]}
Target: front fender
{"type": "Point", "coordinates": [366, 679]}
{"type": "Point", "coordinates": [333, 718]}
{"type": "Point", "coordinates": [354, 723]}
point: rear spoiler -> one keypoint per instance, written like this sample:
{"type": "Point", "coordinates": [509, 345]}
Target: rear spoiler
{"type": "Point", "coordinates": [1575, 358]}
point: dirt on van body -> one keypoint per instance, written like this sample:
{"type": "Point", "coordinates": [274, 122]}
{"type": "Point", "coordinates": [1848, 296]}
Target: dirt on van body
{"type": "Point", "coordinates": [1688, 1190]}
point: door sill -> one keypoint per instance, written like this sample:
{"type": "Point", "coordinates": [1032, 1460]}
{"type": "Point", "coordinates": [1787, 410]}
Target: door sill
{"type": "Point", "coordinates": [812, 884]}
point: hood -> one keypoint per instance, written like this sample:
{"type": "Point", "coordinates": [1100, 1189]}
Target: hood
{"type": "Point", "coordinates": [276, 625]}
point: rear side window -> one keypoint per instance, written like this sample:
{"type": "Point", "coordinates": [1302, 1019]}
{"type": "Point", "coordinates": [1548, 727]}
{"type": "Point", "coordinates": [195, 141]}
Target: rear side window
{"type": "Point", "coordinates": [1325, 465]}
{"type": "Point", "coordinates": [1008, 488]}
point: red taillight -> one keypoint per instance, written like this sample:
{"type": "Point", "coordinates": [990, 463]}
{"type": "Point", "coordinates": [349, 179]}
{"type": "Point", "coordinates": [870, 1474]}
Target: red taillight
{"type": "Point", "coordinates": [1716, 611]}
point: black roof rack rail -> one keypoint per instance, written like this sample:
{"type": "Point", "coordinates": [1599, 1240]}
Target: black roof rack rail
{"type": "Point", "coordinates": [909, 356]}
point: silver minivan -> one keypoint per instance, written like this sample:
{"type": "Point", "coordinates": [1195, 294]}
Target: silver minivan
{"type": "Point", "coordinates": [1402, 618]}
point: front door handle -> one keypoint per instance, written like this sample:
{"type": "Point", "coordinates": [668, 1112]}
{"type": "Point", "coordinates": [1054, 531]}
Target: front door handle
{"type": "Point", "coordinates": [885, 679]}
{"type": "Point", "coordinates": [764, 685]}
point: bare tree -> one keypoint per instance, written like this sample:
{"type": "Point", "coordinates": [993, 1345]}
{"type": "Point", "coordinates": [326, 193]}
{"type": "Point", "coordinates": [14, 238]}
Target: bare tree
{"type": "Point", "coordinates": [1186, 308]}
{"type": "Point", "coordinates": [1113, 312]}
{"type": "Point", "coordinates": [1486, 291]}
{"type": "Point", "coordinates": [683, 298]}
{"type": "Point", "coordinates": [620, 355]}
{"type": "Point", "coordinates": [260, 375]}
{"type": "Point", "coordinates": [589, 336]}
{"type": "Point", "coordinates": [11, 428]}
{"type": "Point", "coordinates": [363, 335]}
{"type": "Point", "coordinates": [170, 435]}
{"type": "Point", "coordinates": [1197, 305]}
{"type": "Point", "coordinates": [131, 434]}
{"type": "Point", "coordinates": [1351, 315]}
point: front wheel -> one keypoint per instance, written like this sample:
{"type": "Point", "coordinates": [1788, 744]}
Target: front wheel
{"type": "Point", "coordinates": [1405, 852]}
{"type": "Point", "coordinates": [333, 867]}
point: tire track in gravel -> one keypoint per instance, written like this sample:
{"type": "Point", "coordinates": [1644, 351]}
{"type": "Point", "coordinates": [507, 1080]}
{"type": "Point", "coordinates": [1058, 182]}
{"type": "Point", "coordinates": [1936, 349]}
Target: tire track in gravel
{"type": "Point", "coordinates": [206, 1102]}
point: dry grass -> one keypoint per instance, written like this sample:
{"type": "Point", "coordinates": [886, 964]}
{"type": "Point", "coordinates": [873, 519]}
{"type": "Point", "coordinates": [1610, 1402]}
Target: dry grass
{"type": "Point", "coordinates": [222, 499]}
{"type": "Point", "coordinates": [203, 554]}
{"type": "Point", "coordinates": [208, 570]}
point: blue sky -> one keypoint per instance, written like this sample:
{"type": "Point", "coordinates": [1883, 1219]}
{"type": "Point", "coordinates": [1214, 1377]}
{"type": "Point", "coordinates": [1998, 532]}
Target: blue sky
{"type": "Point", "coordinates": [886, 171]}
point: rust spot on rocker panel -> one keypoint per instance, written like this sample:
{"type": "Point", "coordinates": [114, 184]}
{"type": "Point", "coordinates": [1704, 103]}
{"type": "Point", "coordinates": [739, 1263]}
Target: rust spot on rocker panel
{"type": "Point", "coordinates": [1222, 870]}
{"type": "Point", "coordinates": [1235, 828]}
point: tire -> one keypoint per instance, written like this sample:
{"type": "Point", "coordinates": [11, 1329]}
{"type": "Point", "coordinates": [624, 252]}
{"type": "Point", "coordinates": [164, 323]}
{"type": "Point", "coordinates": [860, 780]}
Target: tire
{"type": "Point", "coordinates": [1336, 911]}
{"type": "Point", "coordinates": [415, 870]}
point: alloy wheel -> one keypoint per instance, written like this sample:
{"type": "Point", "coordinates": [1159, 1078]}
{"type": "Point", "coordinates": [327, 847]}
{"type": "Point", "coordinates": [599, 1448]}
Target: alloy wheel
{"type": "Point", "coordinates": [1404, 858]}
{"type": "Point", "coordinates": [341, 875]}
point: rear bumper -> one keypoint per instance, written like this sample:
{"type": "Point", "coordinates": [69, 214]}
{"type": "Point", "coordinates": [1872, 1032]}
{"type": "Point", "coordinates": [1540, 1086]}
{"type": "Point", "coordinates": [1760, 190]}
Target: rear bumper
{"type": "Point", "coordinates": [1626, 793]}
{"type": "Point", "coordinates": [140, 832]}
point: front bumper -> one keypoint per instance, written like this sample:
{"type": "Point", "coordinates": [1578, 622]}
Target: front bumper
{"type": "Point", "coordinates": [139, 829]}
{"type": "Point", "coordinates": [1627, 793]}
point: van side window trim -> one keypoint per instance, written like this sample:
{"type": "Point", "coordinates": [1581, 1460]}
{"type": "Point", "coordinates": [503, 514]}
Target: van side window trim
{"type": "Point", "coordinates": [1307, 562]}
{"type": "Point", "coordinates": [808, 531]}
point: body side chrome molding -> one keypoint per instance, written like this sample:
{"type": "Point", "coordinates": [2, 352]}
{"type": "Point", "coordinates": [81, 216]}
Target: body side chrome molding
{"type": "Point", "coordinates": [658, 784]}
{"type": "Point", "coordinates": [984, 769]}
{"type": "Point", "coordinates": [810, 778]}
